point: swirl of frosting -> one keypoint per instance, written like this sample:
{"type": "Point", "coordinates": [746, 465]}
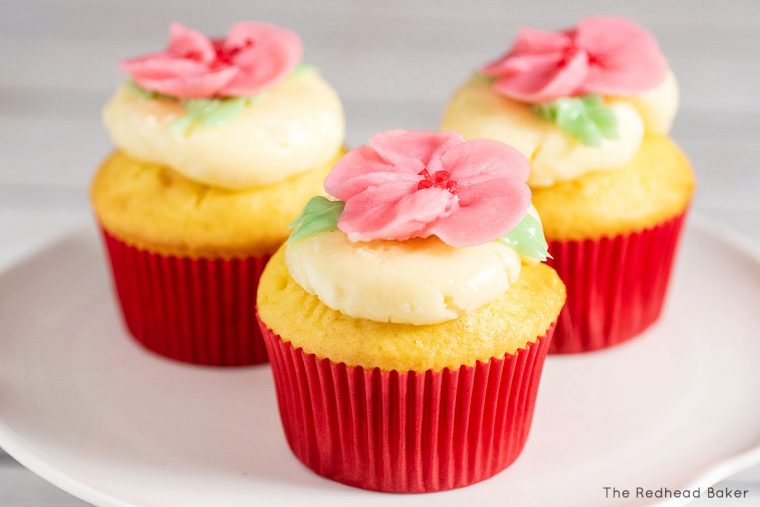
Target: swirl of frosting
{"type": "Point", "coordinates": [478, 111]}
{"type": "Point", "coordinates": [253, 57]}
{"type": "Point", "coordinates": [604, 55]}
{"type": "Point", "coordinates": [418, 184]}
{"type": "Point", "coordinates": [294, 126]}
{"type": "Point", "coordinates": [420, 281]}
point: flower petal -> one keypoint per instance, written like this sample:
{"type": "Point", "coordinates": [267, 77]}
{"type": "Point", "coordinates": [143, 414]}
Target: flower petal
{"type": "Point", "coordinates": [543, 78]}
{"type": "Point", "coordinates": [626, 58]}
{"type": "Point", "coordinates": [191, 44]}
{"type": "Point", "coordinates": [530, 42]}
{"type": "Point", "coordinates": [268, 54]}
{"type": "Point", "coordinates": [405, 146]}
{"type": "Point", "coordinates": [394, 212]}
{"type": "Point", "coordinates": [487, 210]}
{"type": "Point", "coordinates": [483, 160]}
{"type": "Point", "coordinates": [161, 65]}
{"type": "Point", "coordinates": [190, 87]}
{"type": "Point", "coordinates": [362, 168]}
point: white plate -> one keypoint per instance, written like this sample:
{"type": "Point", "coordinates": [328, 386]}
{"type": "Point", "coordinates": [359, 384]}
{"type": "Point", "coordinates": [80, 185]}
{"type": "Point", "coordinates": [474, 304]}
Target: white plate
{"type": "Point", "coordinates": [90, 411]}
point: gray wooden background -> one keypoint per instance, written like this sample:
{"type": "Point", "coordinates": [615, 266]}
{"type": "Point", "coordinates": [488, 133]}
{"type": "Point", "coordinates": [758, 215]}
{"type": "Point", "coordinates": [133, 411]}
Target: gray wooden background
{"type": "Point", "coordinates": [393, 62]}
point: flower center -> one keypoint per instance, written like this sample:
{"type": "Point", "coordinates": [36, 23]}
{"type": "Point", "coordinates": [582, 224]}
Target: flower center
{"type": "Point", "coordinates": [594, 59]}
{"type": "Point", "coordinates": [225, 54]}
{"type": "Point", "coordinates": [567, 55]}
{"type": "Point", "coordinates": [440, 179]}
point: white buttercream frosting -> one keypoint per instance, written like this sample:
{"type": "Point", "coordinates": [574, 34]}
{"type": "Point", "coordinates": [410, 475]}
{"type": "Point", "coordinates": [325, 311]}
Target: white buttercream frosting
{"type": "Point", "coordinates": [658, 106]}
{"type": "Point", "coordinates": [478, 111]}
{"type": "Point", "coordinates": [421, 281]}
{"type": "Point", "coordinates": [292, 127]}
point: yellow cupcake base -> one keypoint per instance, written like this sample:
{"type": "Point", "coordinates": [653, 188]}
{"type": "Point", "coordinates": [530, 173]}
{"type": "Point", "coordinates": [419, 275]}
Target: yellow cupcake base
{"type": "Point", "coordinates": [155, 208]}
{"type": "Point", "coordinates": [655, 186]}
{"type": "Point", "coordinates": [522, 314]}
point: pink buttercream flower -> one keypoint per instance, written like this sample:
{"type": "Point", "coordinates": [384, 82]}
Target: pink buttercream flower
{"type": "Point", "coordinates": [604, 55]}
{"type": "Point", "coordinates": [408, 184]}
{"type": "Point", "coordinates": [253, 57]}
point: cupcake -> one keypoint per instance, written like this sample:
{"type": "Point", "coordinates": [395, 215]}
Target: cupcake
{"type": "Point", "coordinates": [219, 145]}
{"type": "Point", "coordinates": [408, 319]}
{"type": "Point", "coordinates": [591, 107]}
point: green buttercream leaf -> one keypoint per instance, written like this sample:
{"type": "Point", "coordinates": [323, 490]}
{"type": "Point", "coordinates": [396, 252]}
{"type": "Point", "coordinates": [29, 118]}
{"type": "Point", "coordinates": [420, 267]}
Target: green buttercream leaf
{"type": "Point", "coordinates": [527, 238]}
{"type": "Point", "coordinates": [209, 113]}
{"type": "Point", "coordinates": [142, 92]}
{"type": "Point", "coordinates": [222, 111]}
{"type": "Point", "coordinates": [302, 68]}
{"type": "Point", "coordinates": [182, 125]}
{"type": "Point", "coordinates": [319, 215]}
{"type": "Point", "coordinates": [200, 107]}
{"type": "Point", "coordinates": [479, 76]}
{"type": "Point", "coordinates": [585, 118]}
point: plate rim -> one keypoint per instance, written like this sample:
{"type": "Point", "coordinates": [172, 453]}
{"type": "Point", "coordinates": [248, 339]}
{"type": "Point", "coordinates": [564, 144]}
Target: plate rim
{"type": "Point", "coordinates": [45, 467]}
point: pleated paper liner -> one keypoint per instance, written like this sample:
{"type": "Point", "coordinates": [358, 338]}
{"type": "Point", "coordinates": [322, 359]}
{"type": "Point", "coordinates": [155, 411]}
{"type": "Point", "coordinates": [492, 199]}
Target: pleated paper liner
{"type": "Point", "coordinates": [406, 432]}
{"type": "Point", "coordinates": [192, 310]}
{"type": "Point", "coordinates": [616, 286]}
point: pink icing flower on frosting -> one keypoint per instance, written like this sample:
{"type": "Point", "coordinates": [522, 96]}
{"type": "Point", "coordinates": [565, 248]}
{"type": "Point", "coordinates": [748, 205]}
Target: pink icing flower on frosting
{"type": "Point", "coordinates": [254, 56]}
{"type": "Point", "coordinates": [604, 55]}
{"type": "Point", "coordinates": [407, 184]}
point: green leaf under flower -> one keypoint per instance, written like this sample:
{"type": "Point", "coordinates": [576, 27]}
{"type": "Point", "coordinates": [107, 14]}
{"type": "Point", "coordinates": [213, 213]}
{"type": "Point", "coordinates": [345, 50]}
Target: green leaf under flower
{"type": "Point", "coordinates": [527, 238]}
{"type": "Point", "coordinates": [145, 94]}
{"type": "Point", "coordinates": [302, 68]}
{"type": "Point", "coordinates": [485, 78]}
{"type": "Point", "coordinates": [209, 113]}
{"type": "Point", "coordinates": [585, 118]}
{"type": "Point", "coordinates": [320, 215]}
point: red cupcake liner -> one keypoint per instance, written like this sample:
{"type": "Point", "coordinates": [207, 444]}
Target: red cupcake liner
{"type": "Point", "coordinates": [616, 286]}
{"type": "Point", "coordinates": [406, 432]}
{"type": "Point", "coordinates": [197, 311]}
